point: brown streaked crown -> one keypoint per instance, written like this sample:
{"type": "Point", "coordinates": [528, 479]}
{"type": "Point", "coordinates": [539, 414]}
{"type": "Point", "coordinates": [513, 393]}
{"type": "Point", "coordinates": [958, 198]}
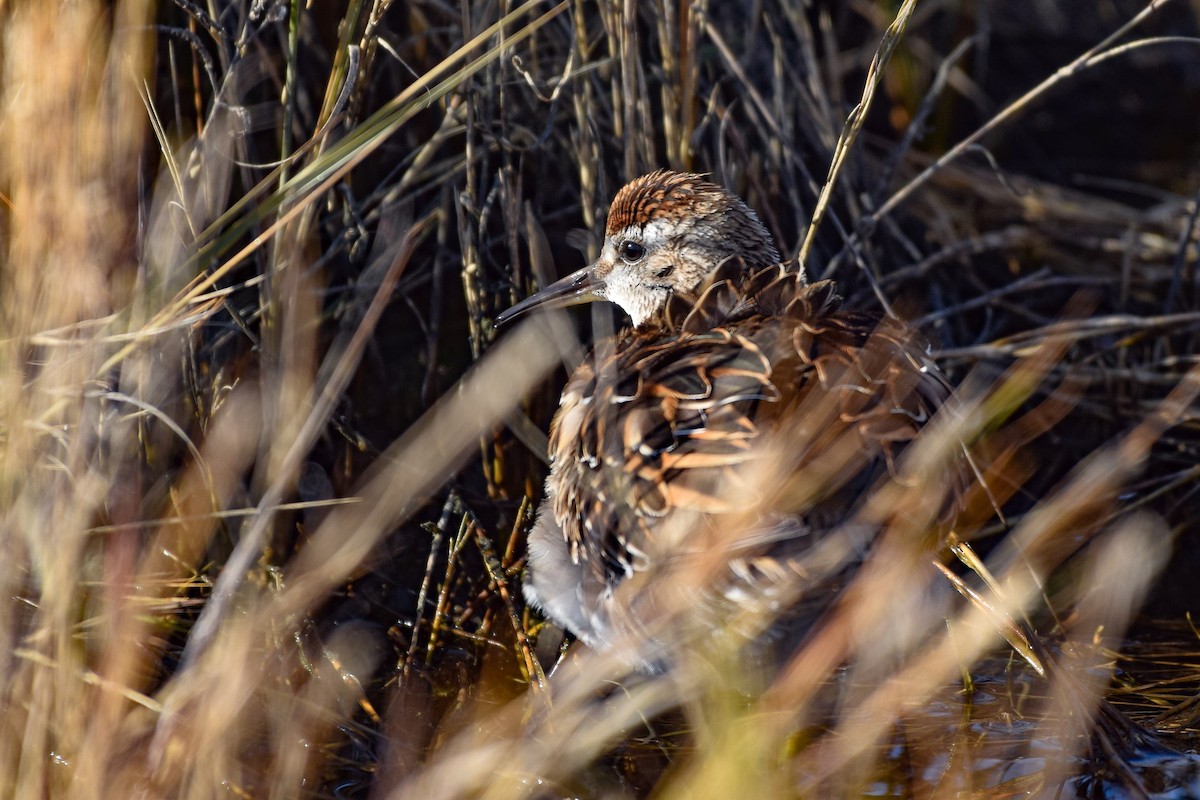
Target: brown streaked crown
{"type": "Point", "coordinates": [664, 193]}
{"type": "Point", "coordinates": [715, 214]}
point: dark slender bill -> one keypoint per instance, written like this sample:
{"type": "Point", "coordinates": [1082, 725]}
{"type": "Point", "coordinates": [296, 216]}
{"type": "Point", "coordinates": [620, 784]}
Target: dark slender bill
{"type": "Point", "coordinates": [578, 287]}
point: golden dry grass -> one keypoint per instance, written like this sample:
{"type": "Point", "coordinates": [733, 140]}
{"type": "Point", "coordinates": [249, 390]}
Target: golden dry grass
{"type": "Point", "coordinates": [266, 464]}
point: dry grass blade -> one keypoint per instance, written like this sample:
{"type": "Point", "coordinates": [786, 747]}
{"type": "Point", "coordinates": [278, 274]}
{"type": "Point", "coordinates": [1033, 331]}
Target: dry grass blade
{"type": "Point", "coordinates": [1090, 58]}
{"type": "Point", "coordinates": [887, 45]}
{"type": "Point", "coordinates": [405, 475]}
{"type": "Point", "coordinates": [309, 184]}
{"type": "Point", "coordinates": [267, 469]}
{"type": "Point", "coordinates": [342, 359]}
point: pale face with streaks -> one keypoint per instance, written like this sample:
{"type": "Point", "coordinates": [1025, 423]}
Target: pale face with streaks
{"type": "Point", "coordinates": [666, 232]}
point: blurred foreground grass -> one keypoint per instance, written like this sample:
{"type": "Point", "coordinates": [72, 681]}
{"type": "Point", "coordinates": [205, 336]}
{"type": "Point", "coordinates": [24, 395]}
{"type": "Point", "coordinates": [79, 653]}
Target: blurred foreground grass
{"type": "Point", "coordinates": [266, 463]}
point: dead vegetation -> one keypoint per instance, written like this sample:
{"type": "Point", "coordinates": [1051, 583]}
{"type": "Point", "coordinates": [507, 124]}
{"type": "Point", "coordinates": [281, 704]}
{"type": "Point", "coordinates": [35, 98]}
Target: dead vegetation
{"type": "Point", "coordinates": [267, 465]}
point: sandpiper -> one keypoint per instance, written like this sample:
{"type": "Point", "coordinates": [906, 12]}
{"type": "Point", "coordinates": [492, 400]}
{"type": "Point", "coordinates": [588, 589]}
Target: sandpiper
{"type": "Point", "coordinates": [663, 435]}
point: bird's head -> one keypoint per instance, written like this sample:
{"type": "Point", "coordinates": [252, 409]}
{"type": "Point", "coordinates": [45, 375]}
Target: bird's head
{"type": "Point", "coordinates": [666, 232]}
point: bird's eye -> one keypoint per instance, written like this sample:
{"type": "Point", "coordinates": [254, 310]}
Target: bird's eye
{"type": "Point", "coordinates": [631, 252]}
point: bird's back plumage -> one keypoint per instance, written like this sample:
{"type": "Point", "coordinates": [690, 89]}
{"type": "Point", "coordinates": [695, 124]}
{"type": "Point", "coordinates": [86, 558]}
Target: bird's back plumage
{"type": "Point", "coordinates": [704, 419]}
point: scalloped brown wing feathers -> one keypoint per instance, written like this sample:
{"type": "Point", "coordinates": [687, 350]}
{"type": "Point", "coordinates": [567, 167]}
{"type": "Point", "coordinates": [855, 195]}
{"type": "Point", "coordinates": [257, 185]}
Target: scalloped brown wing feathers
{"type": "Point", "coordinates": [674, 420]}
